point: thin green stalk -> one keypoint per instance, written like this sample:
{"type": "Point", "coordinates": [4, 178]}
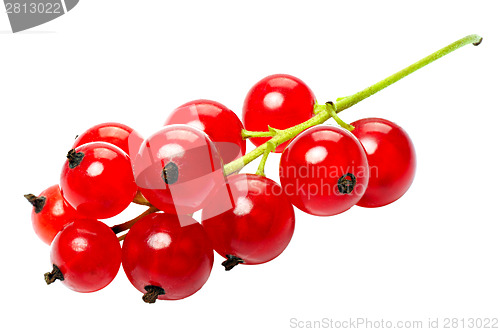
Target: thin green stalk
{"type": "Point", "coordinates": [282, 136]}
{"type": "Point", "coordinates": [269, 148]}
{"type": "Point", "coordinates": [247, 133]}
{"type": "Point", "coordinates": [347, 102]}
{"type": "Point", "coordinates": [331, 108]}
{"type": "Point", "coordinates": [262, 165]}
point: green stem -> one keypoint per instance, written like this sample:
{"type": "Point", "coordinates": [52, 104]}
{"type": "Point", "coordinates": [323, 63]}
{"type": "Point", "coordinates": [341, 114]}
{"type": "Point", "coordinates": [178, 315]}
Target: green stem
{"type": "Point", "coordinates": [318, 108]}
{"type": "Point", "coordinates": [331, 108]}
{"type": "Point", "coordinates": [247, 134]}
{"type": "Point", "coordinates": [346, 102]}
{"type": "Point", "coordinates": [262, 165]}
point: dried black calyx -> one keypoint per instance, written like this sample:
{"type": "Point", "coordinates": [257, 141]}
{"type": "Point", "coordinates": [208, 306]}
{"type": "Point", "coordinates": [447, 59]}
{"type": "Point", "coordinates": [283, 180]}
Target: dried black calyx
{"type": "Point", "coordinates": [346, 183]}
{"type": "Point", "coordinates": [37, 202]}
{"type": "Point", "coordinates": [170, 173]}
{"type": "Point", "coordinates": [152, 293]}
{"type": "Point", "coordinates": [74, 158]}
{"type": "Point", "coordinates": [231, 262]}
{"type": "Point", "coordinates": [54, 275]}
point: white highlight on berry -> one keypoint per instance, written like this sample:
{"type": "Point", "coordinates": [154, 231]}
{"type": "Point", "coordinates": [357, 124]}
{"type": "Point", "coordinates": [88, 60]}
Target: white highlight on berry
{"type": "Point", "coordinates": [197, 124]}
{"type": "Point", "coordinates": [58, 208]}
{"type": "Point", "coordinates": [159, 240]}
{"type": "Point", "coordinates": [95, 168]}
{"type": "Point", "coordinates": [79, 244]}
{"type": "Point", "coordinates": [243, 206]}
{"type": "Point", "coordinates": [105, 153]}
{"type": "Point", "coordinates": [274, 100]}
{"type": "Point", "coordinates": [316, 155]}
{"type": "Point", "coordinates": [170, 151]}
{"type": "Point", "coordinates": [370, 146]}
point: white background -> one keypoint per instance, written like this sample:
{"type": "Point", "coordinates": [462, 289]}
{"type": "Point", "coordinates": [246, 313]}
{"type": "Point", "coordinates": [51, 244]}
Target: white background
{"type": "Point", "coordinates": [432, 254]}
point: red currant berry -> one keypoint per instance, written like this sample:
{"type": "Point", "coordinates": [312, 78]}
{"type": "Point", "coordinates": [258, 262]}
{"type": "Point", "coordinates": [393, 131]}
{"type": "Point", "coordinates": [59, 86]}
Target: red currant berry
{"type": "Point", "coordinates": [249, 221]}
{"type": "Point", "coordinates": [114, 133]}
{"type": "Point", "coordinates": [97, 180]}
{"type": "Point", "coordinates": [85, 255]}
{"type": "Point", "coordinates": [167, 257]}
{"type": "Point", "coordinates": [280, 101]}
{"type": "Point", "coordinates": [324, 170]}
{"type": "Point", "coordinates": [178, 168]}
{"type": "Point", "coordinates": [392, 160]}
{"type": "Point", "coordinates": [50, 213]}
{"type": "Point", "coordinates": [220, 123]}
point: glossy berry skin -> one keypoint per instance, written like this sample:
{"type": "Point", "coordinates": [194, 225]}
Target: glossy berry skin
{"type": "Point", "coordinates": [249, 218]}
{"type": "Point", "coordinates": [101, 184]}
{"type": "Point", "coordinates": [216, 120]}
{"type": "Point", "coordinates": [280, 101]}
{"type": "Point", "coordinates": [392, 160]}
{"type": "Point", "coordinates": [168, 251]}
{"type": "Point", "coordinates": [54, 214]}
{"type": "Point", "coordinates": [324, 170]}
{"type": "Point", "coordinates": [114, 133]}
{"type": "Point", "coordinates": [88, 254]}
{"type": "Point", "coordinates": [177, 169]}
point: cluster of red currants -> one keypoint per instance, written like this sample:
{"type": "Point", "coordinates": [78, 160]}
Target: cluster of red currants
{"type": "Point", "coordinates": [192, 164]}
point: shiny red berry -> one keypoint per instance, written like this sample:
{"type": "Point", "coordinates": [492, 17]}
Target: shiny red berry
{"type": "Point", "coordinates": [86, 256]}
{"type": "Point", "coordinates": [392, 160]}
{"type": "Point", "coordinates": [280, 101]}
{"type": "Point", "coordinates": [216, 120]}
{"type": "Point", "coordinates": [324, 170]}
{"type": "Point", "coordinates": [178, 168]}
{"type": "Point", "coordinates": [249, 220]}
{"type": "Point", "coordinates": [50, 213]}
{"type": "Point", "coordinates": [114, 133]}
{"type": "Point", "coordinates": [167, 257]}
{"type": "Point", "coordinates": [97, 180]}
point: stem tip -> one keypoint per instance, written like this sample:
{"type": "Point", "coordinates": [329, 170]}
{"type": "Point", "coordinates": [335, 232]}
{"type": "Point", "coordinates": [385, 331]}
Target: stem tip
{"type": "Point", "coordinates": [53, 275]}
{"type": "Point", "coordinates": [231, 262]}
{"type": "Point", "coordinates": [152, 293]}
{"type": "Point", "coordinates": [37, 202]}
{"type": "Point", "coordinates": [74, 158]}
{"type": "Point", "coordinates": [346, 183]}
{"type": "Point", "coordinates": [170, 173]}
